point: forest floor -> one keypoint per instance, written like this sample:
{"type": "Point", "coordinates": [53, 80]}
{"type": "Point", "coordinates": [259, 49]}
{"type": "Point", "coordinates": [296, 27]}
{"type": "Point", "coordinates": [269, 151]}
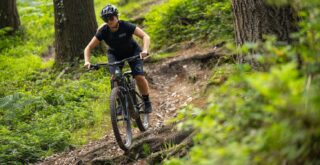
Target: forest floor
{"type": "Point", "coordinates": [174, 82]}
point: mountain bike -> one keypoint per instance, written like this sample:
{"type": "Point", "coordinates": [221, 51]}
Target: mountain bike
{"type": "Point", "coordinates": [126, 104]}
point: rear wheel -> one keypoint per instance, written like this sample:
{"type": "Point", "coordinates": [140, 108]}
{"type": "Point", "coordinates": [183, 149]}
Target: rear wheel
{"type": "Point", "coordinates": [143, 118]}
{"type": "Point", "coordinates": [120, 119]}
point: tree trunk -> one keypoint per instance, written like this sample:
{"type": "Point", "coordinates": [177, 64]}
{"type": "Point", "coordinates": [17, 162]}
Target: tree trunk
{"type": "Point", "coordinates": [75, 25]}
{"type": "Point", "coordinates": [9, 16]}
{"type": "Point", "coordinates": [254, 18]}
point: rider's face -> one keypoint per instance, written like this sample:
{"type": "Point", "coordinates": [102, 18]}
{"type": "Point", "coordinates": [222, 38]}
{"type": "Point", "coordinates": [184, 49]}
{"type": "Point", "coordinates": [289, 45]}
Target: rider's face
{"type": "Point", "coordinates": [112, 21]}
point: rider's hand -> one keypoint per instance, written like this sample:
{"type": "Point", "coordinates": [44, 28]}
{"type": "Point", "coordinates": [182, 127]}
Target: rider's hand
{"type": "Point", "coordinates": [87, 65]}
{"type": "Point", "coordinates": [144, 54]}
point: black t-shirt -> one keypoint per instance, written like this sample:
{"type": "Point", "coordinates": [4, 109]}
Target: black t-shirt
{"type": "Point", "coordinates": [120, 42]}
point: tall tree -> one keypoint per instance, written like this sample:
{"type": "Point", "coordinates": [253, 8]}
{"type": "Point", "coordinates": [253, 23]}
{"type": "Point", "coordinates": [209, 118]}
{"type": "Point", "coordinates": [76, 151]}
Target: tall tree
{"type": "Point", "coordinates": [75, 25]}
{"type": "Point", "coordinates": [255, 18]}
{"type": "Point", "coordinates": [9, 16]}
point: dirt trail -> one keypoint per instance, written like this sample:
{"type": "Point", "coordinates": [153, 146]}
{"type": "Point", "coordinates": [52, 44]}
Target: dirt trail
{"type": "Point", "coordinates": [174, 82]}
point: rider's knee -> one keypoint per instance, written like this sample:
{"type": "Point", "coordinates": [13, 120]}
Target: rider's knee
{"type": "Point", "coordinates": [139, 77]}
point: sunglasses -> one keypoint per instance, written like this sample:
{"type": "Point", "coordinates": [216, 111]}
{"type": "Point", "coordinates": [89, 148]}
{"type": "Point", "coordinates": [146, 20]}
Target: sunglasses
{"type": "Point", "coordinates": [109, 18]}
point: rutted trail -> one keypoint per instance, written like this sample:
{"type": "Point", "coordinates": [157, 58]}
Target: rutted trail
{"type": "Point", "coordinates": [174, 82]}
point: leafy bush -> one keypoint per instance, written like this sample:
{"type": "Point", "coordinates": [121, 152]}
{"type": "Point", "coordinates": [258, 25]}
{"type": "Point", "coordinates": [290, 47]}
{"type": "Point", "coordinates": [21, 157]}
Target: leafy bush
{"type": "Point", "coordinates": [268, 116]}
{"type": "Point", "coordinates": [41, 114]}
{"type": "Point", "coordinates": [20, 54]}
{"type": "Point", "coordinates": [182, 20]}
{"type": "Point", "coordinates": [19, 67]}
{"type": "Point", "coordinates": [41, 120]}
{"type": "Point", "coordinates": [259, 118]}
{"type": "Point", "coordinates": [27, 129]}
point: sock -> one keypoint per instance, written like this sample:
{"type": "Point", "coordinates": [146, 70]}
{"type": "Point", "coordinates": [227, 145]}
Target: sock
{"type": "Point", "coordinates": [145, 98]}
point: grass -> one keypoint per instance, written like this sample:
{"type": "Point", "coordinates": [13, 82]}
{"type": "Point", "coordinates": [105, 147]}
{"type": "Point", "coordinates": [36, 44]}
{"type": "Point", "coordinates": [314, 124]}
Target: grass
{"type": "Point", "coordinates": [160, 56]}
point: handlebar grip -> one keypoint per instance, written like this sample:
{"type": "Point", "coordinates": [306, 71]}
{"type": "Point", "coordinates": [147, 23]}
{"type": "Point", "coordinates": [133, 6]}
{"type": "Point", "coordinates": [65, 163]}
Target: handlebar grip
{"type": "Point", "coordinates": [94, 67]}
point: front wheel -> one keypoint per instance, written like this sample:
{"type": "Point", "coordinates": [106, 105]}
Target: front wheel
{"type": "Point", "coordinates": [120, 119]}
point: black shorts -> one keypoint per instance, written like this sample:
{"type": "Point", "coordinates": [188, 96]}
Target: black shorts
{"type": "Point", "coordinates": [135, 65]}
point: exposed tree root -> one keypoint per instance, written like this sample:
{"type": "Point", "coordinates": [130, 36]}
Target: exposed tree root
{"type": "Point", "coordinates": [178, 150]}
{"type": "Point", "coordinates": [153, 146]}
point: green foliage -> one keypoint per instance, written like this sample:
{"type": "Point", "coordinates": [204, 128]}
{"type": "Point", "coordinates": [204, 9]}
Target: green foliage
{"type": "Point", "coordinates": [41, 119]}
{"type": "Point", "coordinates": [183, 20]}
{"type": "Point", "coordinates": [221, 73]}
{"type": "Point", "coordinates": [146, 149]}
{"type": "Point", "coordinates": [21, 67]}
{"type": "Point", "coordinates": [27, 129]}
{"type": "Point", "coordinates": [259, 118]}
{"type": "Point", "coordinates": [127, 8]}
{"type": "Point", "coordinates": [23, 137]}
{"type": "Point", "coordinates": [160, 56]}
{"type": "Point", "coordinates": [133, 8]}
{"type": "Point", "coordinates": [41, 114]}
{"type": "Point", "coordinates": [36, 33]}
{"type": "Point", "coordinates": [268, 116]}
{"type": "Point", "coordinates": [19, 54]}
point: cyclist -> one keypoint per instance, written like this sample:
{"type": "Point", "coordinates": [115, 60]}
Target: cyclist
{"type": "Point", "coordinates": [118, 36]}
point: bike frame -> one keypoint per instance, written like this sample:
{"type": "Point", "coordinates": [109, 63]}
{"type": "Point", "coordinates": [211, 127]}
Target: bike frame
{"type": "Point", "coordinates": [124, 94]}
{"type": "Point", "coordinates": [122, 81]}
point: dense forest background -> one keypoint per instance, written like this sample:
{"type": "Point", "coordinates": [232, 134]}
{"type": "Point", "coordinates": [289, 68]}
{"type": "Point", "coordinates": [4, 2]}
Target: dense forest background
{"type": "Point", "coordinates": [263, 104]}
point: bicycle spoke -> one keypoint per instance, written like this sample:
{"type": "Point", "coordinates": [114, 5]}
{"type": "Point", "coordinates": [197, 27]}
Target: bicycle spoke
{"type": "Point", "coordinates": [120, 119]}
{"type": "Point", "coordinates": [143, 119]}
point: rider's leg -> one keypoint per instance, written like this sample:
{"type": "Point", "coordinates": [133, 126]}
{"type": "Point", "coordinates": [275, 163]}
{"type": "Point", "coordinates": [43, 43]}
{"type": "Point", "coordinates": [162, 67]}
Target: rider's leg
{"type": "Point", "coordinates": [142, 83]}
{"type": "Point", "coordinates": [143, 86]}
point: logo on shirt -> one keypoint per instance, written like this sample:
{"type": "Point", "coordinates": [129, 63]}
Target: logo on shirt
{"type": "Point", "coordinates": [122, 35]}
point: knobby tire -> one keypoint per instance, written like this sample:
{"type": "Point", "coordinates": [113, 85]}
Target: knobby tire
{"type": "Point", "coordinates": [117, 96]}
{"type": "Point", "coordinates": [143, 119]}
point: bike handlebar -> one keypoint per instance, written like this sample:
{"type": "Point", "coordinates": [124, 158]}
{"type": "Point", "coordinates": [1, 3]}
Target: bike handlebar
{"type": "Point", "coordinates": [97, 66]}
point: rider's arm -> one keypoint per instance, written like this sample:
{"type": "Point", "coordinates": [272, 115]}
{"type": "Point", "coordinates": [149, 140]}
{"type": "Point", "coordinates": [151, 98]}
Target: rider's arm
{"type": "Point", "coordinates": [87, 51]}
{"type": "Point", "coordinates": [146, 40]}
